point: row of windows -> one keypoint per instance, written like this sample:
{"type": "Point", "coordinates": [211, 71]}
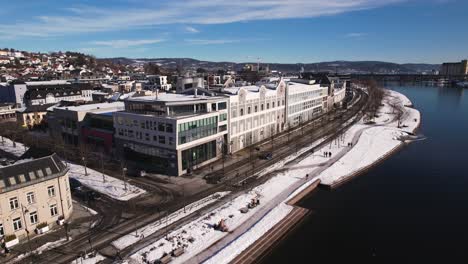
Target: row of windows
{"type": "Point", "coordinates": [161, 139]}
{"type": "Point", "coordinates": [150, 125]}
{"type": "Point", "coordinates": [305, 105]}
{"type": "Point", "coordinates": [198, 123]}
{"type": "Point", "coordinates": [255, 109]}
{"type": "Point", "coordinates": [30, 198]}
{"type": "Point", "coordinates": [293, 98]}
{"type": "Point", "coordinates": [21, 178]}
{"type": "Point", "coordinates": [33, 219]}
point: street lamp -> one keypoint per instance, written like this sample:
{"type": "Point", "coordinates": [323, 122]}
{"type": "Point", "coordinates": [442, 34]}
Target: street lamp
{"type": "Point", "coordinates": [84, 164]}
{"type": "Point", "coordinates": [124, 170]}
{"type": "Point", "coordinates": [26, 226]}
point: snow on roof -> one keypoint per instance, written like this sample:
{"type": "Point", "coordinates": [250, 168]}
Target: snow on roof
{"type": "Point", "coordinates": [55, 82]}
{"type": "Point", "coordinates": [101, 107]}
{"type": "Point", "coordinates": [170, 97]}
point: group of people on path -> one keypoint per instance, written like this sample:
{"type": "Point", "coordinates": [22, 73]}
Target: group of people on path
{"type": "Point", "coordinates": [327, 154]}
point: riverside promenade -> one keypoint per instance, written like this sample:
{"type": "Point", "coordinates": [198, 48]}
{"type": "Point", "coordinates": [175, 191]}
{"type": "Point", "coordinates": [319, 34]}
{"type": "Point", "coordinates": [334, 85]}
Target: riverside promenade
{"type": "Point", "coordinates": [384, 128]}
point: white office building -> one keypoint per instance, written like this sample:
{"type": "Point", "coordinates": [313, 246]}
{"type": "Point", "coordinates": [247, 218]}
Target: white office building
{"type": "Point", "coordinates": [256, 113]}
{"type": "Point", "coordinates": [305, 101]}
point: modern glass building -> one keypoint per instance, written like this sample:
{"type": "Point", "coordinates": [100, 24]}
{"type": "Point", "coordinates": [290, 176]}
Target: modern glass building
{"type": "Point", "coordinates": [171, 133]}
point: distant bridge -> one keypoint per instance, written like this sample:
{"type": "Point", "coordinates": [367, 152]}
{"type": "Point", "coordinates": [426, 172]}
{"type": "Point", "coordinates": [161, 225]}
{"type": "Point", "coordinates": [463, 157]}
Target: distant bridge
{"type": "Point", "coordinates": [407, 77]}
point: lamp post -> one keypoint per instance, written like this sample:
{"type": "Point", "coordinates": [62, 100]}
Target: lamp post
{"type": "Point", "coordinates": [26, 226]}
{"type": "Point", "coordinates": [102, 168]}
{"type": "Point", "coordinates": [84, 164]}
{"type": "Point", "coordinates": [124, 170]}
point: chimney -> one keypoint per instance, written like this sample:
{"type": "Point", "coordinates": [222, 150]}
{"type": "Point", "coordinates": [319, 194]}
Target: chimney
{"type": "Point", "coordinates": [196, 93]}
{"type": "Point", "coordinates": [157, 94]}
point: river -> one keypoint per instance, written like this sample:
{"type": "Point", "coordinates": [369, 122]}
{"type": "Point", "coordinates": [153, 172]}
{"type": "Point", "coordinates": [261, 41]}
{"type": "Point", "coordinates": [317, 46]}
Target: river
{"type": "Point", "coordinates": [412, 208]}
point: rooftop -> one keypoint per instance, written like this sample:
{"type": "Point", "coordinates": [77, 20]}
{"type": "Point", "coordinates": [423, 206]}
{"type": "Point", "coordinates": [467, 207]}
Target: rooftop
{"type": "Point", "coordinates": [101, 107]}
{"type": "Point", "coordinates": [30, 171]}
{"type": "Point", "coordinates": [170, 97]}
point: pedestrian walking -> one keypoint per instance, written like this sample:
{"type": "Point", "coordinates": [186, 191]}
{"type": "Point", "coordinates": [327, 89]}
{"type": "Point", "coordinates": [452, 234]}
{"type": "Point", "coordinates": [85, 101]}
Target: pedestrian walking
{"type": "Point", "coordinates": [330, 154]}
{"type": "Point", "coordinates": [307, 176]}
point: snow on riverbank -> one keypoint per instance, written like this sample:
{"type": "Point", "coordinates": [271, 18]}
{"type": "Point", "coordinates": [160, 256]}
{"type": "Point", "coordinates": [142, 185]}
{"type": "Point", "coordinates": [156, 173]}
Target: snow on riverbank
{"type": "Point", "coordinates": [150, 229]}
{"type": "Point", "coordinates": [110, 186]}
{"type": "Point", "coordinates": [7, 145]}
{"type": "Point", "coordinates": [376, 141]}
{"type": "Point", "coordinates": [255, 233]}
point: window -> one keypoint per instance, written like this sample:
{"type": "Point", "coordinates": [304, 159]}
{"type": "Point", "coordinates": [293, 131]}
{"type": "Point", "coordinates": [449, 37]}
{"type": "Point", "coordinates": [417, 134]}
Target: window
{"type": "Point", "coordinates": [30, 197]}
{"type": "Point", "coordinates": [17, 225]}
{"type": "Point", "coordinates": [48, 171]}
{"type": "Point", "coordinates": [273, 105]}
{"type": "Point", "coordinates": [261, 107]}
{"type": "Point", "coordinates": [169, 128]}
{"type": "Point", "coordinates": [40, 173]}
{"type": "Point", "coordinates": [33, 217]}
{"type": "Point", "coordinates": [162, 139]}
{"type": "Point", "coordinates": [222, 117]}
{"type": "Point", "coordinates": [32, 176]}
{"type": "Point", "coordinates": [242, 112]}
{"type": "Point", "coordinates": [2, 232]}
{"type": "Point", "coordinates": [268, 105]}
{"type": "Point", "coordinates": [51, 191]}
{"type": "Point", "coordinates": [248, 110]}
{"type": "Point", "coordinates": [14, 204]}
{"type": "Point", "coordinates": [222, 106]}
{"type": "Point", "coordinates": [171, 141]}
{"type": "Point", "coordinates": [53, 210]}
{"type": "Point", "coordinates": [161, 127]}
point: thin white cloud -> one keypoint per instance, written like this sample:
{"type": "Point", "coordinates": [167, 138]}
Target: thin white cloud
{"type": "Point", "coordinates": [191, 29]}
{"type": "Point", "coordinates": [125, 43]}
{"type": "Point", "coordinates": [85, 19]}
{"type": "Point", "coordinates": [211, 41]}
{"type": "Point", "coordinates": [356, 35]}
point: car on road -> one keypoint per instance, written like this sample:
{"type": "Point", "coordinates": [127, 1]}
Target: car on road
{"type": "Point", "coordinates": [75, 185]}
{"type": "Point", "coordinates": [266, 156]}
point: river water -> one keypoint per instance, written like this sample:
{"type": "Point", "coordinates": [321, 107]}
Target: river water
{"type": "Point", "coordinates": [412, 208]}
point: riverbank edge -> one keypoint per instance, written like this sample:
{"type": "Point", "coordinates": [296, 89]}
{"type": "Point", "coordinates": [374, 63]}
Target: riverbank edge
{"type": "Point", "coordinates": [273, 237]}
{"type": "Point", "coordinates": [263, 249]}
{"type": "Point", "coordinates": [379, 161]}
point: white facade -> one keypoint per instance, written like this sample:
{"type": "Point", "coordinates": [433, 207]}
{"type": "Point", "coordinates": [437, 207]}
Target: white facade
{"type": "Point", "coordinates": [159, 82]}
{"type": "Point", "coordinates": [305, 100]}
{"type": "Point", "coordinates": [256, 113]}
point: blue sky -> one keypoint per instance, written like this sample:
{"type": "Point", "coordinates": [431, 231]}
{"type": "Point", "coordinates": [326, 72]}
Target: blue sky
{"type": "Point", "coordinates": [430, 31]}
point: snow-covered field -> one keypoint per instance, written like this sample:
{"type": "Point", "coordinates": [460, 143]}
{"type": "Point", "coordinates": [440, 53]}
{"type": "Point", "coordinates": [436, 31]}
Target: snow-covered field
{"type": "Point", "coordinates": [7, 146]}
{"type": "Point", "coordinates": [370, 142]}
{"type": "Point", "coordinates": [110, 186]}
{"type": "Point", "coordinates": [145, 231]}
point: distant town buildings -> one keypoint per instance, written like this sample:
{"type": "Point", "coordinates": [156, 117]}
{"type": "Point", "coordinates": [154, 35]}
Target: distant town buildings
{"type": "Point", "coordinates": [454, 68]}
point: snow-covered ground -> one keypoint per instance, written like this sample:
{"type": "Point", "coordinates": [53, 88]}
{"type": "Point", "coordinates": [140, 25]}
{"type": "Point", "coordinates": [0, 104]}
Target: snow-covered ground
{"type": "Point", "coordinates": [110, 186]}
{"type": "Point", "coordinates": [89, 260]}
{"type": "Point", "coordinates": [375, 141]}
{"type": "Point", "coordinates": [39, 250]}
{"type": "Point", "coordinates": [256, 232]}
{"type": "Point", "coordinates": [7, 146]}
{"type": "Point", "coordinates": [148, 230]}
